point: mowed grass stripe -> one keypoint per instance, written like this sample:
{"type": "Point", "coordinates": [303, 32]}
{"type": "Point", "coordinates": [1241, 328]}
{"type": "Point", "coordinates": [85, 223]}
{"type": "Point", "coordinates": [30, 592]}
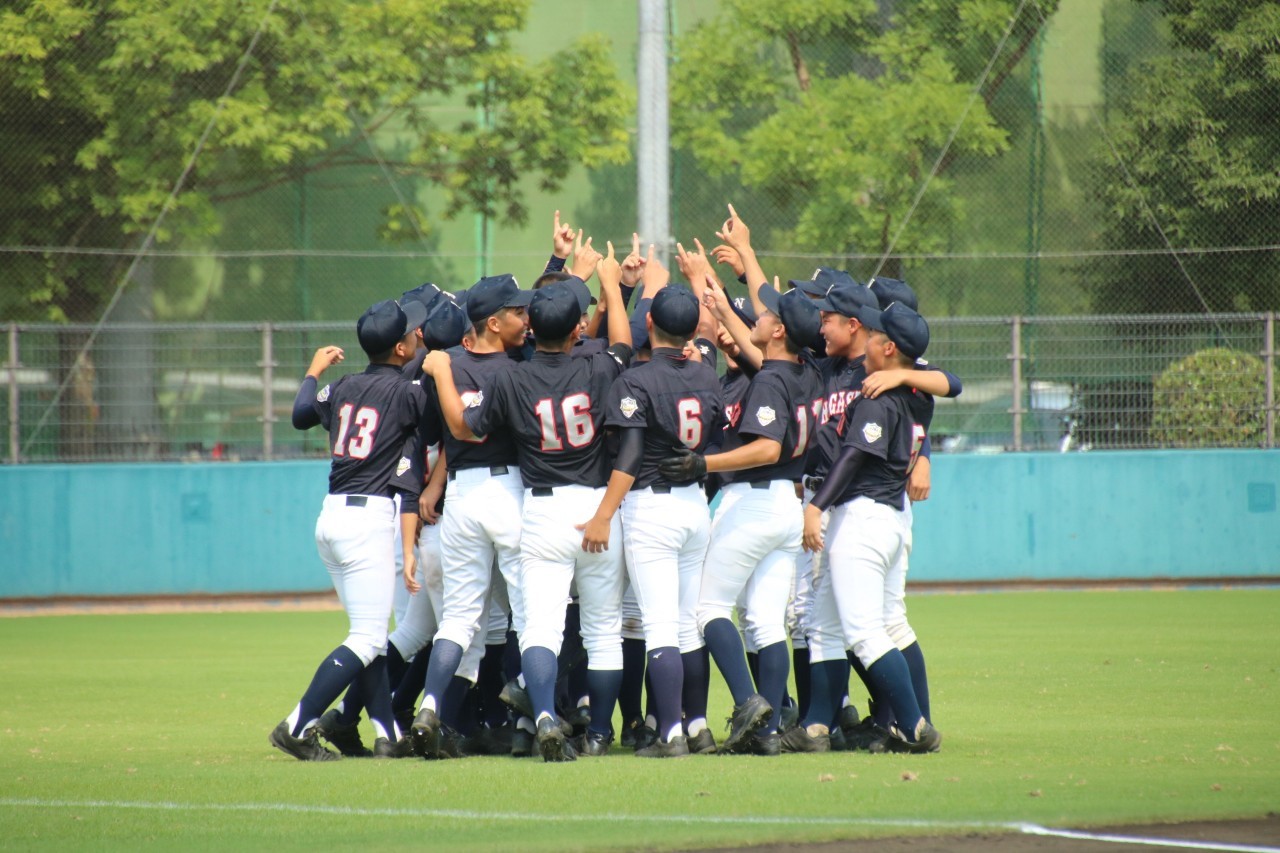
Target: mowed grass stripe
{"type": "Point", "coordinates": [1067, 709]}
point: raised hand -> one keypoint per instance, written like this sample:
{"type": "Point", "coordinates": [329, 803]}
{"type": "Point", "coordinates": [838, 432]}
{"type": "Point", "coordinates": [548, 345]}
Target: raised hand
{"type": "Point", "coordinates": [435, 362]}
{"type": "Point", "coordinates": [726, 254]}
{"type": "Point", "coordinates": [735, 232]}
{"type": "Point", "coordinates": [655, 275]}
{"type": "Point", "coordinates": [561, 239]}
{"type": "Point", "coordinates": [325, 358]}
{"type": "Point", "coordinates": [609, 269]}
{"type": "Point", "coordinates": [633, 264]}
{"type": "Point", "coordinates": [585, 258]}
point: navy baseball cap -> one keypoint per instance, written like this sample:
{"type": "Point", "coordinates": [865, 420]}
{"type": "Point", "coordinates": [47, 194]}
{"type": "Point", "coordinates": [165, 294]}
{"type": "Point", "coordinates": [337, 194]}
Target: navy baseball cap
{"type": "Point", "coordinates": [491, 294]}
{"type": "Point", "coordinates": [890, 290]}
{"type": "Point", "coordinates": [675, 311]}
{"type": "Point", "coordinates": [847, 300]}
{"type": "Point", "coordinates": [424, 293]}
{"type": "Point", "coordinates": [798, 313]}
{"type": "Point", "coordinates": [383, 325]}
{"type": "Point", "coordinates": [824, 278]}
{"type": "Point", "coordinates": [445, 324]}
{"type": "Point", "coordinates": [580, 290]}
{"type": "Point", "coordinates": [902, 325]}
{"type": "Point", "coordinates": [745, 310]}
{"type": "Point", "coordinates": [554, 311]}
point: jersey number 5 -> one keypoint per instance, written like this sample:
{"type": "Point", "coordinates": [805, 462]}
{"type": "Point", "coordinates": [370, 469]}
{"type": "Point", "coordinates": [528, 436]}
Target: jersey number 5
{"type": "Point", "coordinates": [361, 444]}
{"type": "Point", "coordinates": [579, 428]}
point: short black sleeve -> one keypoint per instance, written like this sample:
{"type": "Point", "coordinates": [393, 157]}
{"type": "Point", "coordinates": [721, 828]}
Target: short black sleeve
{"type": "Point", "coordinates": [870, 427]}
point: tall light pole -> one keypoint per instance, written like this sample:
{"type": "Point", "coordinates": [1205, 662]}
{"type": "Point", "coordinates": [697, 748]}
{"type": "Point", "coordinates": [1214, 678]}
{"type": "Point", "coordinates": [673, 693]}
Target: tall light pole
{"type": "Point", "coordinates": [653, 136]}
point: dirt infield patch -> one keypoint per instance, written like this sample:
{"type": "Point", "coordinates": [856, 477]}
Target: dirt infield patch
{"type": "Point", "coordinates": [1257, 834]}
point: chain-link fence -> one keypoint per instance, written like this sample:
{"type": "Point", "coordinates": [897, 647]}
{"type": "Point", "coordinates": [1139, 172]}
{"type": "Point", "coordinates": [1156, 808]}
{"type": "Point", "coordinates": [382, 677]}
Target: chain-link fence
{"type": "Point", "coordinates": [258, 162]}
{"type": "Point", "coordinates": [225, 391]}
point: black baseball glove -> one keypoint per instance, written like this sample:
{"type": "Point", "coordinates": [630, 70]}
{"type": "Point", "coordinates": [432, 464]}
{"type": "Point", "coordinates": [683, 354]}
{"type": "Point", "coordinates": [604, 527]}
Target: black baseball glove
{"type": "Point", "coordinates": [685, 467]}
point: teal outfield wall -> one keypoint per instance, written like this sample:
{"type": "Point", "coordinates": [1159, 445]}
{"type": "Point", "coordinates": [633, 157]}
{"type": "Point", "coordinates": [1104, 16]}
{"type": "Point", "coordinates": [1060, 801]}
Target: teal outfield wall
{"type": "Point", "coordinates": [69, 530]}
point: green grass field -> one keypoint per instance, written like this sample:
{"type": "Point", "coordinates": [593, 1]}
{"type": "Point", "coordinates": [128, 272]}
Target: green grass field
{"type": "Point", "coordinates": [1057, 708]}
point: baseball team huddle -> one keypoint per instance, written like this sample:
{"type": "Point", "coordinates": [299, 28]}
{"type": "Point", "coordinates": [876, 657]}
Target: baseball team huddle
{"type": "Point", "coordinates": [526, 479]}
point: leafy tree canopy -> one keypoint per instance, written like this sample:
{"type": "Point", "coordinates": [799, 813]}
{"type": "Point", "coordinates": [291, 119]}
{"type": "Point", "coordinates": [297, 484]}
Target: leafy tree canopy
{"type": "Point", "coordinates": [102, 103]}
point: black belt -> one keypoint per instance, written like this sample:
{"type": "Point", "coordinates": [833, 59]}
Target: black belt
{"type": "Point", "coordinates": [813, 483]}
{"type": "Point", "coordinates": [658, 489]}
{"type": "Point", "coordinates": [542, 491]}
{"type": "Point", "coordinates": [496, 471]}
{"type": "Point", "coordinates": [357, 500]}
{"type": "Point", "coordinates": [761, 484]}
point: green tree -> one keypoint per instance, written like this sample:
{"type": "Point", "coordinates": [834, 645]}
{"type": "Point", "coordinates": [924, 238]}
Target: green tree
{"type": "Point", "coordinates": [835, 110]}
{"type": "Point", "coordinates": [103, 101]}
{"type": "Point", "coordinates": [1195, 154]}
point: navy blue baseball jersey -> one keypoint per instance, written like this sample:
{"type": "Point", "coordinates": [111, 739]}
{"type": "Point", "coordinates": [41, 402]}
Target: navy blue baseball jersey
{"type": "Point", "coordinates": [782, 403]}
{"type": "Point", "coordinates": [553, 405]}
{"type": "Point", "coordinates": [675, 400]}
{"type": "Point", "coordinates": [890, 429]}
{"type": "Point", "coordinates": [369, 417]}
{"type": "Point", "coordinates": [473, 375]}
{"type": "Point", "coordinates": [842, 385]}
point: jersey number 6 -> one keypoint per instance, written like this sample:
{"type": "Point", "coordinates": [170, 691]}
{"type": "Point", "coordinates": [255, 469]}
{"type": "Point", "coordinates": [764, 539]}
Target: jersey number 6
{"type": "Point", "coordinates": [579, 428]}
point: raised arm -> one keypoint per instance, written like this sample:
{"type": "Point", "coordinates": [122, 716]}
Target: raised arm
{"type": "Point", "coordinates": [615, 314]}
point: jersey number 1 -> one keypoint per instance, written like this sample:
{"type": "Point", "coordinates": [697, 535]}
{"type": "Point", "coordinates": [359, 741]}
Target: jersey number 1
{"type": "Point", "coordinates": [579, 428]}
{"type": "Point", "coordinates": [361, 444]}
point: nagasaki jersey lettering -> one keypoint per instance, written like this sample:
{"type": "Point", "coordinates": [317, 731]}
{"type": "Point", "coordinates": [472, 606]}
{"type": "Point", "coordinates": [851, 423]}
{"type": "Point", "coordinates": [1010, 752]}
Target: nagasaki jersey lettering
{"type": "Point", "coordinates": [676, 401]}
{"type": "Point", "coordinates": [473, 374]}
{"type": "Point", "coordinates": [891, 430]}
{"type": "Point", "coordinates": [554, 407]}
{"type": "Point", "coordinates": [369, 416]}
{"type": "Point", "coordinates": [842, 385]}
{"type": "Point", "coordinates": [781, 403]}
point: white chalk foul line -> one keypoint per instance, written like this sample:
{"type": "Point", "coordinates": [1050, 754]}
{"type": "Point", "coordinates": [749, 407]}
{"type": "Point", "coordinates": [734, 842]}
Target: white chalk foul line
{"type": "Point", "coordinates": [464, 814]}
{"type": "Point", "coordinates": [1032, 829]}
{"type": "Point", "coordinates": [752, 820]}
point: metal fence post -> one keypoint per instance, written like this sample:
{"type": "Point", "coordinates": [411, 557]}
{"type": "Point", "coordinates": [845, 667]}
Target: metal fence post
{"type": "Point", "coordinates": [268, 365]}
{"type": "Point", "coordinates": [1269, 358]}
{"type": "Point", "coordinates": [1016, 357]}
{"type": "Point", "coordinates": [14, 432]}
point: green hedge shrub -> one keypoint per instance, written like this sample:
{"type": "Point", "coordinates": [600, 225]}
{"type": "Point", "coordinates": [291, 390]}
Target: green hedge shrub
{"type": "Point", "coordinates": [1212, 398]}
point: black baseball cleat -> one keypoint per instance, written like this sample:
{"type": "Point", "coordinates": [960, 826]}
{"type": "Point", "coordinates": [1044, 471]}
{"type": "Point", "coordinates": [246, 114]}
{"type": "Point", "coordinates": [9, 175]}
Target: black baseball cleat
{"type": "Point", "coordinates": [579, 719]}
{"type": "Point", "coordinates": [645, 736]}
{"type": "Point", "coordinates": [425, 733]}
{"type": "Point", "coordinates": [383, 748]}
{"type": "Point", "coordinates": [594, 743]}
{"type": "Point", "coordinates": [521, 743]}
{"type": "Point", "coordinates": [838, 742]}
{"type": "Point", "coordinates": [800, 739]}
{"type": "Point", "coordinates": [305, 748]}
{"type": "Point", "coordinates": [677, 747]}
{"type": "Point", "coordinates": [927, 739]}
{"type": "Point", "coordinates": [552, 743]}
{"type": "Point", "coordinates": [866, 736]}
{"type": "Point", "coordinates": [629, 732]}
{"type": "Point", "coordinates": [345, 737]}
{"type": "Point", "coordinates": [789, 717]}
{"type": "Point", "coordinates": [518, 698]}
{"type": "Point", "coordinates": [847, 718]}
{"type": "Point", "coordinates": [747, 717]}
{"type": "Point", "coordinates": [703, 743]}
{"type": "Point", "coordinates": [450, 744]}
{"type": "Point", "coordinates": [762, 744]}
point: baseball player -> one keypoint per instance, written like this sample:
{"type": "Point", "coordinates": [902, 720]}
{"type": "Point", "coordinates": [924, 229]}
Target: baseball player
{"type": "Point", "coordinates": [554, 406]}
{"type": "Point", "coordinates": [755, 536]}
{"type": "Point", "coordinates": [481, 518]}
{"type": "Point", "coordinates": [369, 416]}
{"type": "Point", "coordinates": [869, 529]}
{"type": "Point", "coordinates": [670, 402]}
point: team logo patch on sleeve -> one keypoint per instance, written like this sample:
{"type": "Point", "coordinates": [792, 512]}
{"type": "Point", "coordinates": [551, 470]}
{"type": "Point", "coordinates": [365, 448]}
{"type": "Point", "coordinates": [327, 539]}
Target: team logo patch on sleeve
{"type": "Point", "coordinates": [324, 394]}
{"type": "Point", "coordinates": [403, 467]}
{"type": "Point", "coordinates": [628, 406]}
{"type": "Point", "coordinates": [704, 349]}
{"type": "Point", "coordinates": [473, 399]}
{"type": "Point", "coordinates": [872, 432]}
{"type": "Point", "coordinates": [765, 415]}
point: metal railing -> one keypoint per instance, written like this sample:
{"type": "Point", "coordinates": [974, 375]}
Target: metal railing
{"type": "Point", "coordinates": [173, 392]}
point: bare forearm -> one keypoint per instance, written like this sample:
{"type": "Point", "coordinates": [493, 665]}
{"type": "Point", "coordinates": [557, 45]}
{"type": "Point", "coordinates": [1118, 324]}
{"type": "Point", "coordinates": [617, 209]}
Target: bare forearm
{"type": "Point", "coordinates": [753, 454]}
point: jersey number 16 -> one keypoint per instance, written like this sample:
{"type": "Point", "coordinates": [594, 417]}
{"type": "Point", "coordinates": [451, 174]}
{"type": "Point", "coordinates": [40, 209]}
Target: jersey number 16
{"type": "Point", "coordinates": [578, 426]}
